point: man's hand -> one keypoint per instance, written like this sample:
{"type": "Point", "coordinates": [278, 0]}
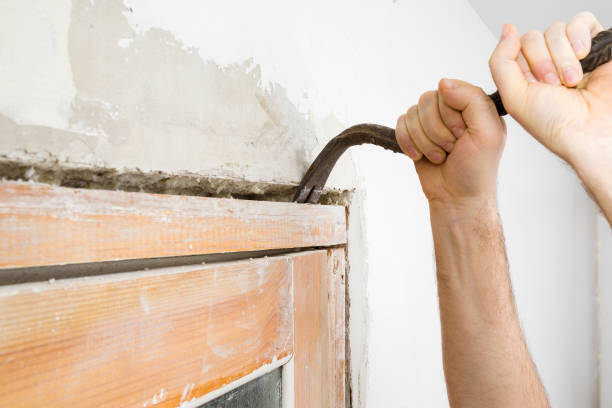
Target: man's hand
{"type": "Point", "coordinates": [458, 120]}
{"type": "Point", "coordinates": [537, 76]}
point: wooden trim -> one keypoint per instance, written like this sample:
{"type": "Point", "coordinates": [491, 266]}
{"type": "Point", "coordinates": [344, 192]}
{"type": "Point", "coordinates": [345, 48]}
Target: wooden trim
{"type": "Point", "coordinates": [49, 225]}
{"type": "Point", "coordinates": [319, 290]}
{"type": "Point", "coordinates": [159, 337]}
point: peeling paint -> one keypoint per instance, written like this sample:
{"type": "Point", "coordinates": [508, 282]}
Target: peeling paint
{"type": "Point", "coordinates": [144, 303]}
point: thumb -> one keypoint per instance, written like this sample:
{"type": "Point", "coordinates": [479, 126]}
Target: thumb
{"type": "Point", "coordinates": [477, 109]}
{"type": "Point", "coordinates": [507, 74]}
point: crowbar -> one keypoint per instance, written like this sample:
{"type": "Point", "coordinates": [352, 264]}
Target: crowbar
{"type": "Point", "coordinates": [312, 184]}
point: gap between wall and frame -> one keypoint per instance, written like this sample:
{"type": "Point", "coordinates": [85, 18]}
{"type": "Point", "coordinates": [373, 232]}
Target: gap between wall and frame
{"type": "Point", "coordinates": [51, 171]}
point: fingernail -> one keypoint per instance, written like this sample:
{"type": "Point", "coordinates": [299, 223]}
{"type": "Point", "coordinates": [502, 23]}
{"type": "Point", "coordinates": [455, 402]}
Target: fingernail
{"type": "Point", "coordinates": [458, 131]}
{"type": "Point", "coordinates": [530, 78]}
{"type": "Point", "coordinates": [448, 146]}
{"type": "Point", "coordinates": [570, 75]}
{"type": "Point", "coordinates": [552, 79]}
{"type": "Point", "coordinates": [448, 83]}
{"type": "Point", "coordinates": [579, 46]}
{"type": "Point", "coordinates": [412, 153]}
{"type": "Point", "coordinates": [435, 156]}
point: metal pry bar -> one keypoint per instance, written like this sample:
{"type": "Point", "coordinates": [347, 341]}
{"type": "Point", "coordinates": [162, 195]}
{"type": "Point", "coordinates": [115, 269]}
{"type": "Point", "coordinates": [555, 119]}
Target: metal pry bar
{"type": "Point", "coordinates": [311, 187]}
{"type": "Point", "coordinates": [312, 184]}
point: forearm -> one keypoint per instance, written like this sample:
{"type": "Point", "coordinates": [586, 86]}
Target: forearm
{"type": "Point", "coordinates": [594, 167]}
{"type": "Point", "coordinates": [486, 362]}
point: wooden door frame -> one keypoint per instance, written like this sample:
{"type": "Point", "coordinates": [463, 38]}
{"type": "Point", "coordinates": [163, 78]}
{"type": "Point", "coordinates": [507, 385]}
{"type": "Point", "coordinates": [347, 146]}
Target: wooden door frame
{"type": "Point", "coordinates": [68, 326]}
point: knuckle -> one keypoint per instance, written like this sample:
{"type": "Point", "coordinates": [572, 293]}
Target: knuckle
{"type": "Point", "coordinates": [555, 35]}
{"type": "Point", "coordinates": [427, 97]}
{"type": "Point", "coordinates": [411, 113]}
{"type": "Point", "coordinates": [555, 28]}
{"type": "Point", "coordinates": [440, 133]}
{"type": "Point", "coordinates": [586, 15]}
{"type": "Point", "coordinates": [411, 117]}
{"type": "Point", "coordinates": [400, 121]}
{"type": "Point", "coordinates": [493, 62]}
{"type": "Point", "coordinates": [531, 37]}
{"type": "Point", "coordinates": [452, 119]}
{"type": "Point", "coordinates": [574, 24]}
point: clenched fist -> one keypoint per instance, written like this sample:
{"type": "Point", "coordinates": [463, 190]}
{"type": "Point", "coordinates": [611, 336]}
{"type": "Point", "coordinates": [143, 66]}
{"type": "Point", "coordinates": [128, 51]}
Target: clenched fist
{"type": "Point", "coordinates": [456, 138]}
{"type": "Point", "coordinates": [543, 87]}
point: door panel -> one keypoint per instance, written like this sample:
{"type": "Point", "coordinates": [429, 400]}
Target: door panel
{"type": "Point", "coordinates": [147, 338]}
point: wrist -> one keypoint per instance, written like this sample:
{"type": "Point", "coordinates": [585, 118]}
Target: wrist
{"type": "Point", "coordinates": [463, 235]}
{"type": "Point", "coordinates": [464, 209]}
{"type": "Point", "coordinates": [592, 162]}
{"type": "Point", "coordinates": [591, 155]}
{"type": "Point", "coordinates": [594, 171]}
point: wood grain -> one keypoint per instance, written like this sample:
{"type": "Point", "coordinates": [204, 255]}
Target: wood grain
{"type": "Point", "coordinates": [157, 337]}
{"type": "Point", "coordinates": [319, 359]}
{"type": "Point", "coordinates": [48, 225]}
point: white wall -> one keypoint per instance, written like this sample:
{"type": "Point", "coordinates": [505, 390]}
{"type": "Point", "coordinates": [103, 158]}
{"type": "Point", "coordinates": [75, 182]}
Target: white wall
{"type": "Point", "coordinates": [541, 13]}
{"type": "Point", "coordinates": [604, 297]}
{"type": "Point", "coordinates": [250, 90]}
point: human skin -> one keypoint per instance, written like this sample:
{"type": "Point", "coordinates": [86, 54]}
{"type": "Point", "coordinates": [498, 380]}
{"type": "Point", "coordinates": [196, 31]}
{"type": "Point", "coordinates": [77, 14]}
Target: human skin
{"type": "Point", "coordinates": [574, 123]}
{"type": "Point", "coordinates": [486, 362]}
{"type": "Point", "coordinates": [456, 140]}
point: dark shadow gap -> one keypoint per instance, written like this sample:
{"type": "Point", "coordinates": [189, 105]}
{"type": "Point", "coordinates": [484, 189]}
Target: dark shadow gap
{"type": "Point", "coordinates": [44, 273]}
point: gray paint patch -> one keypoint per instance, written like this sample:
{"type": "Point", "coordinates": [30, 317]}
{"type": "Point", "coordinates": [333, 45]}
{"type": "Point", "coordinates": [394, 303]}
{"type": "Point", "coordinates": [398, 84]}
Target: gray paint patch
{"type": "Point", "coordinates": [145, 101]}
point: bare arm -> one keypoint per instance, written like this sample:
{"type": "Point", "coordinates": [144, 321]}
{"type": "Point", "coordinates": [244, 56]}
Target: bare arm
{"type": "Point", "coordinates": [486, 362]}
{"type": "Point", "coordinates": [595, 171]}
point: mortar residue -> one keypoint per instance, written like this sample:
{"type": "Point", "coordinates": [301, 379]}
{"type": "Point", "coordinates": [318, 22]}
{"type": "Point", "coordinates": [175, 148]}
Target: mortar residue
{"type": "Point", "coordinates": [50, 170]}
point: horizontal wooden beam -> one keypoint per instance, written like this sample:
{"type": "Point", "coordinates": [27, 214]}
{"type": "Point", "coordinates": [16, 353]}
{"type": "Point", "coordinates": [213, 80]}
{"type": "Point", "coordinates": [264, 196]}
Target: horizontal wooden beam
{"type": "Point", "coordinates": [160, 337]}
{"type": "Point", "coordinates": [48, 225]}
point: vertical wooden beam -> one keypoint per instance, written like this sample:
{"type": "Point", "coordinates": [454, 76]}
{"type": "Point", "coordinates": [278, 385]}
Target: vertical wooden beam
{"type": "Point", "coordinates": [319, 282]}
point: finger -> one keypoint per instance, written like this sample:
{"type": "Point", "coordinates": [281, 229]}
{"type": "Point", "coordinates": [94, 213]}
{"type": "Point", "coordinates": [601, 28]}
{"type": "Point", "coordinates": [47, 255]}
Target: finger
{"type": "Point", "coordinates": [404, 141]}
{"type": "Point", "coordinates": [506, 72]}
{"type": "Point", "coordinates": [522, 62]}
{"type": "Point", "coordinates": [564, 58]}
{"type": "Point", "coordinates": [451, 118]}
{"type": "Point", "coordinates": [429, 116]}
{"type": "Point", "coordinates": [477, 109]}
{"type": "Point", "coordinates": [433, 152]}
{"type": "Point", "coordinates": [535, 50]}
{"type": "Point", "coordinates": [580, 30]}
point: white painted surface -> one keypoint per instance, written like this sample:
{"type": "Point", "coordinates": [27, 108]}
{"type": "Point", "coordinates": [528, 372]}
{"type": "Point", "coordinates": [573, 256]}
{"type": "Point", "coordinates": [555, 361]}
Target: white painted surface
{"type": "Point", "coordinates": [604, 233]}
{"type": "Point", "coordinates": [35, 62]}
{"type": "Point", "coordinates": [265, 369]}
{"type": "Point", "coordinates": [549, 224]}
{"type": "Point", "coordinates": [540, 13]}
{"type": "Point", "coordinates": [170, 84]}
{"type": "Point", "coordinates": [288, 384]}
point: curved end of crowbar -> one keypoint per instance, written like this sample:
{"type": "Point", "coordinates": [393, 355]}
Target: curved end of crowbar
{"type": "Point", "coordinates": [311, 186]}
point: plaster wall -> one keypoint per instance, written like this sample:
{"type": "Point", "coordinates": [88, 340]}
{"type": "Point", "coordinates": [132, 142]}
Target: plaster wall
{"type": "Point", "coordinates": [252, 90]}
{"type": "Point", "coordinates": [604, 297]}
